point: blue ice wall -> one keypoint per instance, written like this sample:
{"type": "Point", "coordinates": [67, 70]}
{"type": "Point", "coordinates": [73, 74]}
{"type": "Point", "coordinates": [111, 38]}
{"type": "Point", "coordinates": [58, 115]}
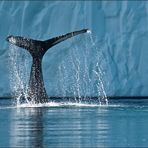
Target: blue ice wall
{"type": "Point", "coordinates": [119, 28]}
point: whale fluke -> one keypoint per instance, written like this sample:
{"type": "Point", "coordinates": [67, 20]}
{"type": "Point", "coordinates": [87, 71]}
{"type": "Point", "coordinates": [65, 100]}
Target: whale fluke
{"type": "Point", "coordinates": [37, 48]}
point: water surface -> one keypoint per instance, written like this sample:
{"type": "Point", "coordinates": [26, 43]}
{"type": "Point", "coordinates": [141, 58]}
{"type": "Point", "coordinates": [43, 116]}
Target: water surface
{"type": "Point", "coordinates": [123, 123]}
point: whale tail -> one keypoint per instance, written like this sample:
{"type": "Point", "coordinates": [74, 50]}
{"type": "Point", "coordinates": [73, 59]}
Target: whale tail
{"type": "Point", "coordinates": [38, 48]}
{"type": "Point", "coordinates": [36, 89]}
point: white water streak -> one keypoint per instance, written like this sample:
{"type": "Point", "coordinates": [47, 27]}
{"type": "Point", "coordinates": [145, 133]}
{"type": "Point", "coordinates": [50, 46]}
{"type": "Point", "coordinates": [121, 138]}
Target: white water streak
{"type": "Point", "coordinates": [19, 72]}
{"type": "Point", "coordinates": [80, 73]}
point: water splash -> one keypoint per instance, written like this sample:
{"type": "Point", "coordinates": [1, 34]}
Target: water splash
{"type": "Point", "coordinates": [82, 77]}
{"type": "Point", "coordinates": [19, 73]}
{"type": "Point", "coordinates": [89, 31]}
{"type": "Point", "coordinates": [99, 73]}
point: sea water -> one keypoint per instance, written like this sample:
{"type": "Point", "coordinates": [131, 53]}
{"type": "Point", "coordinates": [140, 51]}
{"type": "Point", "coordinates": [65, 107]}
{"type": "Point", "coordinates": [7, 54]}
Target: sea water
{"type": "Point", "coordinates": [121, 123]}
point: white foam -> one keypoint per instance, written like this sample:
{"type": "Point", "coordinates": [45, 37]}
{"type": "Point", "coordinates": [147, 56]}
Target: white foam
{"type": "Point", "coordinates": [55, 104]}
{"type": "Point", "coordinates": [63, 104]}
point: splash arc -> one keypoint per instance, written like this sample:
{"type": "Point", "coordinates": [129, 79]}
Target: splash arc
{"type": "Point", "coordinates": [37, 49]}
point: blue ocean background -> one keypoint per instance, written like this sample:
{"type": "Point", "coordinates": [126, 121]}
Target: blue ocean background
{"type": "Point", "coordinates": [119, 29]}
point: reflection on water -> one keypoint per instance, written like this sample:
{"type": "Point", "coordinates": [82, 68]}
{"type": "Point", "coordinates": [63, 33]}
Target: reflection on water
{"type": "Point", "coordinates": [57, 127]}
{"type": "Point", "coordinates": [27, 127]}
{"type": "Point", "coordinates": [117, 125]}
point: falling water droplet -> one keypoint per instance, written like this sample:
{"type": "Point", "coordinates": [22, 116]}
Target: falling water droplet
{"type": "Point", "coordinates": [19, 73]}
{"type": "Point", "coordinates": [89, 31]}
